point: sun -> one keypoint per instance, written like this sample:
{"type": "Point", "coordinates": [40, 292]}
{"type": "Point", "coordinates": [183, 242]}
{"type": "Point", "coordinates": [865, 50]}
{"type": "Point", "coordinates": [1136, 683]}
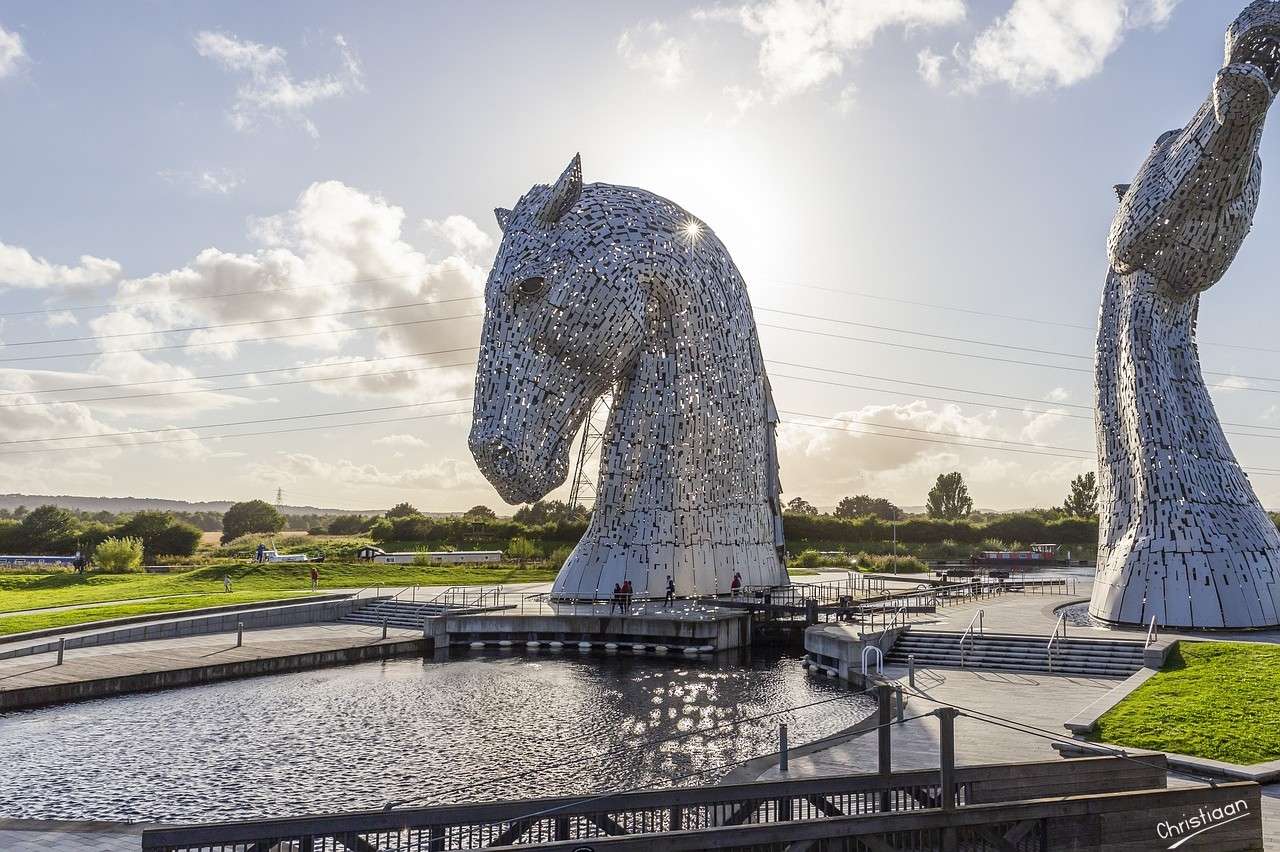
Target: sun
{"type": "Point", "coordinates": [691, 230]}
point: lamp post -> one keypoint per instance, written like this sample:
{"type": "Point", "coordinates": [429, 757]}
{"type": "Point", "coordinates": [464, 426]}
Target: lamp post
{"type": "Point", "coordinates": [895, 539]}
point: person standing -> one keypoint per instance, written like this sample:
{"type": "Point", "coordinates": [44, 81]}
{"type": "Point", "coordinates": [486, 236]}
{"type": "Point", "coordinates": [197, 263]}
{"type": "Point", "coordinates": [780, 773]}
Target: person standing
{"type": "Point", "coordinates": [315, 577]}
{"type": "Point", "coordinates": [736, 584]}
{"type": "Point", "coordinates": [671, 591]}
{"type": "Point", "coordinates": [617, 599]}
{"type": "Point", "coordinates": [626, 597]}
{"type": "Point", "coordinates": [226, 582]}
{"type": "Point", "coordinates": [262, 552]}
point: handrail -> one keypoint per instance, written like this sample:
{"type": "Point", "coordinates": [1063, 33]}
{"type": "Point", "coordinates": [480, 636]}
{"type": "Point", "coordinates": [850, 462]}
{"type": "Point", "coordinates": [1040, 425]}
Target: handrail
{"type": "Point", "coordinates": [968, 632]}
{"type": "Point", "coordinates": [1053, 638]}
{"type": "Point", "coordinates": [879, 659]}
{"type": "Point", "coordinates": [1153, 634]}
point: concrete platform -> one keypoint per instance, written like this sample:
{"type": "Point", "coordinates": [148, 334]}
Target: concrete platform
{"type": "Point", "coordinates": [164, 663]}
{"type": "Point", "coordinates": [40, 835]}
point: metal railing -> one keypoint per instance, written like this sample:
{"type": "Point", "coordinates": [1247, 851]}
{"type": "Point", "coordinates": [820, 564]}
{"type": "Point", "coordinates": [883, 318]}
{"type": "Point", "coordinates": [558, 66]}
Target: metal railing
{"type": "Point", "coordinates": [1053, 638]}
{"type": "Point", "coordinates": [969, 633]}
{"type": "Point", "coordinates": [915, 805]}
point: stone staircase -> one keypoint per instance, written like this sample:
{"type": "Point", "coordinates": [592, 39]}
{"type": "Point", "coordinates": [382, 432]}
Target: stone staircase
{"type": "Point", "coordinates": [396, 613]}
{"type": "Point", "coordinates": [1008, 652]}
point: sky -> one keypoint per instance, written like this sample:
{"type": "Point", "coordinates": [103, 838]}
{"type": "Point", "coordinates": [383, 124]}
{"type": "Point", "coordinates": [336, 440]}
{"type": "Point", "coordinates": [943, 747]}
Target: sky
{"type": "Point", "coordinates": [288, 184]}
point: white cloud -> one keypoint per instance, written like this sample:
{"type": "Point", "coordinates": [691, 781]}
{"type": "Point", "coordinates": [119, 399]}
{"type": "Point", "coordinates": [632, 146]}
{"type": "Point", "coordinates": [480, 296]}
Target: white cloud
{"type": "Point", "coordinates": [399, 441]}
{"type": "Point", "coordinates": [1058, 395]}
{"type": "Point", "coordinates": [651, 49]}
{"type": "Point", "coordinates": [1231, 383]}
{"type": "Point", "coordinates": [804, 43]}
{"type": "Point", "coordinates": [18, 268]}
{"type": "Point", "coordinates": [439, 475]}
{"type": "Point", "coordinates": [742, 99]}
{"type": "Point", "coordinates": [462, 234]}
{"type": "Point", "coordinates": [1040, 44]}
{"type": "Point", "coordinates": [270, 90]}
{"type": "Point", "coordinates": [338, 249]}
{"type": "Point", "coordinates": [12, 52]}
{"type": "Point", "coordinates": [206, 181]}
{"type": "Point", "coordinates": [847, 99]}
{"type": "Point", "coordinates": [60, 319]}
{"type": "Point", "coordinates": [929, 65]}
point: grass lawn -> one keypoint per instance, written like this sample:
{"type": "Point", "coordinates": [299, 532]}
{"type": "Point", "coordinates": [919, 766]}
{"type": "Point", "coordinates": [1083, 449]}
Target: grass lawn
{"type": "Point", "coordinates": [66, 617]}
{"type": "Point", "coordinates": [31, 591]}
{"type": "Point", "coordinates": [1219, 700]}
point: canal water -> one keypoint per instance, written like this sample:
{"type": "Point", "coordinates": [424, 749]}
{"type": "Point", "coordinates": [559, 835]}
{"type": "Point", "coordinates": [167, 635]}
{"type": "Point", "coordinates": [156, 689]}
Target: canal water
{"type": "Point", "coordinates": [359, 736]}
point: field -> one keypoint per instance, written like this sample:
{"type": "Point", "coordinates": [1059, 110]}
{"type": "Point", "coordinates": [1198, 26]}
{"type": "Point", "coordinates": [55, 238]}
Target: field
{"type": "Point", "coordinates": [198, 587]}
{"type": "Point", "coordinates": [1212, 699]}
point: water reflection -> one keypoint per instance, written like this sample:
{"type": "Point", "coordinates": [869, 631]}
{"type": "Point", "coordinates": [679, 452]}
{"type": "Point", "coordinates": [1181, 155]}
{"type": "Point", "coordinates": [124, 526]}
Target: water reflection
{"type": "Point", "coordinates": [359, 736]}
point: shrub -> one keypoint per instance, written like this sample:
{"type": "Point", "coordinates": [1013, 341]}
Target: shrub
{"type": "Point", "coordinates": [810, 559]}
{"type": "Point", "coordinates": [560, 555]}
{"type": "Point", "coordinates": [119, 555]}
{"type": "Point", "coordinates": [521, 549]}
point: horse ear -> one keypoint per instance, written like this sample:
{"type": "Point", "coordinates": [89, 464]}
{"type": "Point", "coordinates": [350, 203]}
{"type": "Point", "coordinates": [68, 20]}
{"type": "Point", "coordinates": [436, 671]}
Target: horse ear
{"type": "Point", "coordinates": [503, 215]}
{"type": "Point", "coordinates": [565, 193]}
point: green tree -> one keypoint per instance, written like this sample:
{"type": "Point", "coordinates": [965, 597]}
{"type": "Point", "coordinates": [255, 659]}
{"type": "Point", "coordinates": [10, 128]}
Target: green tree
{"type": "Point", "coordinates": [521, 549]}
{"type": "Point", "coordinates": [862, 505]}
{"type": "Point", "coordinates": [800, 506]}
{"type": "Point", "coordinates": [402, 510]}
{"type": "Point", "coordinates": [161, 533]}
{"type": "Point", "coordinates": [349, 524]}
{"type": "Point", "coordinates": [117, 555]}
{"type": "Point", "coordinates": [481, 512]}
{"type": "Point", "coordinates": [1082, 502]}
{"type": "Point", "coordinates": [549, 512]}
{"type": "Point", "coordinates": [949, 498]}
{"type": "Point", "coordinates": [47, 529]}
{"type": "Point", "coordinates": [251, 516]}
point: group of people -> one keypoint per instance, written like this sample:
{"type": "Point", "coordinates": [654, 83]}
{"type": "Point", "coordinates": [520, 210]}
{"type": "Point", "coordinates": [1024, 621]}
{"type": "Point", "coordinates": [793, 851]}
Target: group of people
{"type": "Point", "coordinates": [623, 591]}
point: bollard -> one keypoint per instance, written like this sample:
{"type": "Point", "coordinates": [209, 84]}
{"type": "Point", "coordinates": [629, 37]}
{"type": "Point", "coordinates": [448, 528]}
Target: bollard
{"type": "Point", "coordinates": [62, 646]}
{"type": "Point", "coordinates": [782, 747]}
{"type": "Point", "coordinates": [884, 744]}
{"type": "Point", "coordinates": [384, 628]}
{"type": "Point", "coordinates": [902, 704]}
{"type": "Point", "coordinates": [239, 633]}
{"type": "Point", "coordinates": [911, 670]}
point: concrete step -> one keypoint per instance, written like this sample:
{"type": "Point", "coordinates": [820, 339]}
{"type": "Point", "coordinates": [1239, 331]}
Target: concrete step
{"type": "Point", "coordinates": [1011, 652]}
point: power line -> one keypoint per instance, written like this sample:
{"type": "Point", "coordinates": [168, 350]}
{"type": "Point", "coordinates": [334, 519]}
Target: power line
{"type": "Point", "coordinates": [1088, 455]}
{"type": "Point", "coordinates": [977, 342]}
{"type": "Point", "coordinates": [163, 429]}
{"type": "Point", "coordinates": [110, 305]}
{"type": "Point", "coordinates": [263, 339]}
{"type": "Point", "coordinates": [890, 329]}
{"type": "Point", "coordinates": [973, 312]}
{"type": "Point", "coordinates": [1001, 407]}
{"type": "Point", "coordinates": [299, 367]}
{"type": "Point", "coordinates": [930, 441]}
{"type": "Point", "coordinates": [240, 387]}
{"type": "Point", "coordinates": [242, 323]}
{"type": "Point", "coordinates": [987, 357]}
{"type": "Point", "coordinates": [265, 432]}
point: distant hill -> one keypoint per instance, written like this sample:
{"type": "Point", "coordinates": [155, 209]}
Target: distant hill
{"type": "Point", "coordinates": [135, 504]}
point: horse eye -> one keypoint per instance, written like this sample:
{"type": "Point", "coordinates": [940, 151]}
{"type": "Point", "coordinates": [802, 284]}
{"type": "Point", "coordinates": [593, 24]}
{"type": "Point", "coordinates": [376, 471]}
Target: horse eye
{"type": "Point", "coordinates": [532, 286]}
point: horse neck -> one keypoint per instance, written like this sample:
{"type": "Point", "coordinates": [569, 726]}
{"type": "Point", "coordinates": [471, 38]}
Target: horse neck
{"type": "Point", "coordinates": [689, 430]}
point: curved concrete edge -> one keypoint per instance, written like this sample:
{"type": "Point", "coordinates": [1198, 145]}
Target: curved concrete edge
{"type": "Point", "coordinates": [754, 768]}
{"type": "Point", "coordinates": [1153, 659]}
{"type": "Point", "coordinates": [1259, 773]}
{"type": "Point", "coordinates": [1087, 719]}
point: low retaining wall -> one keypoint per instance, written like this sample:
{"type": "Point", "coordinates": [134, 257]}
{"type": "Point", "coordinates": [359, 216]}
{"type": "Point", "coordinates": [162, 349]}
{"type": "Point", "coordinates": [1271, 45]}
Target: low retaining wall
{"type": "Point", "coordinates": [223, 622]}
{"type": "Point", "coordinates": [40, 696]}
{"type": "Point", "coordinates": [838, 647]}
{"type": "Point", "coordinates": [720, 633]}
